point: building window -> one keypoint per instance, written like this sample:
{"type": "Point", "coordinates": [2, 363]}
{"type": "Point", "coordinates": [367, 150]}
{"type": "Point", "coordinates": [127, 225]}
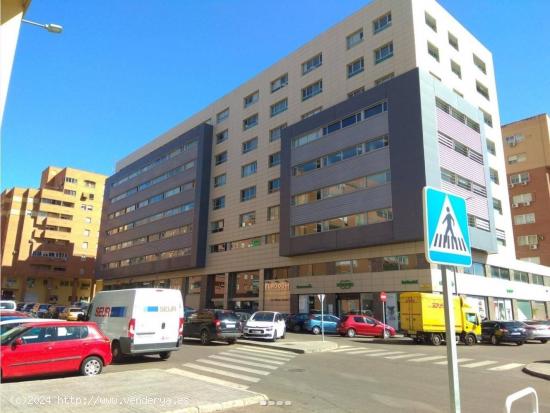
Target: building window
{"type": "Point", "coordinates": [534, 260]}
{"type": "Point", "coordinates": [491, 148]}
{"type": "Point", "coordinates": [354, 39]}
{"type": "Point", "coordinates": [69, 192]}
{"type": "Point", "coordinates": [312, 64]}
{"type": "Point", "coordinates": [458, 115]}
{"type": "Point", "coordinates": [455, 67]}
{"type": "Point", "coordinates": [221, 158]}
{"type": "Point", "coordinates": [216, 226]}
{"type": "Point", "coordinates": [480, 64]}
{"type": "Point", "coordinates": [385, 78]}
{"type": "Point", "coordinates": [279, 83]}
{"type": "Point", "coordinates": [356, 92]}
{"type": "Point", "coordinates": [271, 239]}
{"type": "Point", "coordinates": [222, 136]}
{"type": "Point", "coordinates": [275, 133]}
{"type": "Point", "coordinates": [279, 107]}
{"type": "Point", "coordinates": [514, 140]}
{"type": "Point", "coordinates": [498, 272]}
{"type": "Point", "coordinates": [519, 179]}
{"type": "Point", "coordinates": [464, 183]}
{"type": "Point", "coordinates": [312, 90]}
{"type": "Point", "coordinates": [518, 158]}
{"type": "Point", "coordinates": [482, 90]}
{"type": "Point", "coordinates": [493, 173]}
{"type": "Point", "coordinates": [220, 180]}
{"type": "Point", "coordinates": [433, 52]}
{"type": "Point", "coordinates": [223, 115]}
{"type": "Point", "coordinates": [250, 122]}
{"type": "Point", "coordinates": [249, 169]}
{"type": "Point", "coordinates": [383, 53]}
{"type": "Point", "coordinates": [274, 159]}
{"type": "Point", "coordinates": [70, 180]}
{"type": "Point", "coordinates": [477, 268]}
{"type": "Point", "coordinates": [497, 205]}
{"type": "Point", "coordinates": [250, 145]}
{"type": "Point", "coordinates": [251, 99]}
{"type": "Point", "coordinates": [312, 112]}
{"type": "Point", "coordinates": [530, 240]}
{"type": "Point", "coordinates": [381, 23]}
{"type": "Point", "coordinates": [218, 203]}
{"type": "Point", "coordinates": [88, 220]}
{"type": "Point", "coordinates": [248, 193]}
{"type": "Point", "coordinates": [524, 219]}
{"type": "Point", "coordinates": [356, 67]}
{"type": "Point", "coordinates": [247, 219]}
{"type": "Point", "coordinates": [522, 199]}
{"type": "Point", "coordinates": [86, 232]}
{"type": "Point", "coordinates": [430, 21]}
{"type": "Point", "coordinates": [86, 207]}
{"type": "Point", "coordinates": [521, 276]}
{"type": "Point", "coordinates": [537, 279]}
{"type": "Point", "coordinates": [274, 185]}
{"type": "Point", "coordinates": [273, 213]}
{"type": "Point", "coordinates": [84, 246]}
{"type": "Point", "coordinates": [453, 41]}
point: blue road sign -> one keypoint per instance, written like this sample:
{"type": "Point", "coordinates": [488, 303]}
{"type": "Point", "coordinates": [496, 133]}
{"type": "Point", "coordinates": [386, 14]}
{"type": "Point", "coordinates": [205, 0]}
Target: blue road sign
{"type": "Point", "coordinates": [446, 236]}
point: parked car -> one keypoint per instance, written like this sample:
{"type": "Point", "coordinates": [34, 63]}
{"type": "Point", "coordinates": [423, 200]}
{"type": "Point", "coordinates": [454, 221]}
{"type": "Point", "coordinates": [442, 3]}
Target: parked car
{"type": "Point", "coordinates": [497, 332]}
{"type": "Point", "coordinates": [6, 325]}
{"type": "Point", "coordinates": [538, 330]}
{"type": "Point", "coordinates": [352, 325]}
{"type": "Point", "coordinates": [71, 313]}
{"type": "Point", "coordinates": [54, 347]}
{"type": "Point", "coordinates": [11, 315]}
{"type": "Point", "coordinates": [187, 311]}
{"type": "Point", "coordinates": [8, 305]}
{"type": "Point", "coordinates": [265, 324]}
{"type": "Point", "coordinates": [27, 308]}
{"type": "Point", "coordinates": [329, 324]}
{"type": "Point", "coordinates": [213, 325]}
{"type": "Point", "coordinates": [40, 310]}
{"type": "Point", "coordinates": [243, 316]}
{"type": "Point", "coordinates": [295, 322]}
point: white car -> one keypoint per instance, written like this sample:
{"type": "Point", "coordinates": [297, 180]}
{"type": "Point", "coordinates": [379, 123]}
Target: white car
{"type": "Point", "coordinates": [7, 325]}
{"type": "Point", "coordinates": [8, 305]}
{"type": "Point", "coordinates": [265, 324]}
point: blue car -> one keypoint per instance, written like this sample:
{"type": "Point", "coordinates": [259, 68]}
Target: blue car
{"type": "Point", "coordinates": [313, 323]}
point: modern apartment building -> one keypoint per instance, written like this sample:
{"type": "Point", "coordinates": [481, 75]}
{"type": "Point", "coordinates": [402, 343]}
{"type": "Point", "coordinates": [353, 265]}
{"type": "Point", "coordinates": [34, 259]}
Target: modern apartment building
{"type": "Point", "coordinates": [526, 146]}
{"type": "Point", "coordinates": [307, 179]}
{"type": "Point", "coordinates": [49, 237]}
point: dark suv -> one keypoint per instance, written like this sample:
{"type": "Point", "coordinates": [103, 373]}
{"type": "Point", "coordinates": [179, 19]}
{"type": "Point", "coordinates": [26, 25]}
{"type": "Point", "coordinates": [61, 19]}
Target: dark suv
{"type": "Point", "coordinates": [497, 332]}
{"type": "Point", "coordinates": [209, 325]}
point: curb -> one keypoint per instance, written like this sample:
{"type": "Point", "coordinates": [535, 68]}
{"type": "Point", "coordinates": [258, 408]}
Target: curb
{"type": "Point", "coordinates": [290, 349]}
{"type": "Point", "coordinates": [532, 371]}
{"type": "Point", "coordinates": [230, 404]}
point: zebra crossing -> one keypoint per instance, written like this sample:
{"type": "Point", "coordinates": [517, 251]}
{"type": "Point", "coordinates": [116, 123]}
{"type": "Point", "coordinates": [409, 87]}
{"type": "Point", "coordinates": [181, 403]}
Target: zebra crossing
{"type": "Point", "coordinates": [238, 367]}
{"type": "Point", "coordinates": [467, 363]}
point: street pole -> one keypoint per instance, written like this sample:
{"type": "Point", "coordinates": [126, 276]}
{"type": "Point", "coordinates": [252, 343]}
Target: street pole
{"type": "Point", "coordinates": [450, 338]}
{"type": "Point", "coordinates": [384, 319]}
{"type": "Point", "coordinates": [323, 317]}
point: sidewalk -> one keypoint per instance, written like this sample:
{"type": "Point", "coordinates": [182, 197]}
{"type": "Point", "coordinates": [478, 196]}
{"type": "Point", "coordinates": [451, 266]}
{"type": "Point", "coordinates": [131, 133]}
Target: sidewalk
{"type": "Point", "coordinates": [130, 391]}
{"type": "Point", "coordinates": [538, 369]}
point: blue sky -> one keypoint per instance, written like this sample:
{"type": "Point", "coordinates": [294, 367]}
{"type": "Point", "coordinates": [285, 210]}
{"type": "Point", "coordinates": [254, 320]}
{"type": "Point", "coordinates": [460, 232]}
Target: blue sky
{"type": "Point", "coordinates": [125, 71]}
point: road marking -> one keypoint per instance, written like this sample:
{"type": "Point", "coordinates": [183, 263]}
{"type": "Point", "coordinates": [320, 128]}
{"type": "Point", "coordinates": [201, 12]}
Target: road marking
{"type": "Point", "coordinates": [479, 364]}
{"type": "Point", "coordinates": [208, 379]}
{"type": "Point", "coordinates": [231, 366]}
{"type": "Point", "coordinates": [266, 353]}
{"type": "Point", "coordinates": [341, 350]}
{"type": "Point", "coordinates": [262, 354]}
{"type": "Point", "coordinates": [248, 363]}
{"type": "Point", "coordinates": [241, 356]}
{"type": "Point", "coordinates": [222, 372]}
{"type": "Point", "coordinates": [383, 353]}
{"type": "Point", "coordinates": [506, 367]}
{"type": "Point", "coordinates": [369, 350]}
{"type": "Point", "coordinates": [430, 358]}
{"type": "Point", "coordinates": [402, 356]}
{"type": "Point", "coordinates": [457, 360]}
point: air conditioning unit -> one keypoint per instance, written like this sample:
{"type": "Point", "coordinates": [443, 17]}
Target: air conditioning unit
{"type": "Point", "coordinates": [512, 185]}
{"type": "Point", "coordinates": [527, 203]}
{"type": "Point", "coordinates": [514, 205]}
{"type": "Point", "coordinates": [541, 237]}
{"type": "Point", "coordinates": [534, 247]}
{"type": "Point", "coordinates": [524, 183]}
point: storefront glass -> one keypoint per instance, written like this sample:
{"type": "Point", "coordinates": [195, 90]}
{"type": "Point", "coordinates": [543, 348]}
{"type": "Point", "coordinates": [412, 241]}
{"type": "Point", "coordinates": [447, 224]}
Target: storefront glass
{"type": "Point", "coordinates": [539, 310]}
{"type": "Point", "coordinates": [503, 309]}
{"type": "Point", "coordinates": [478, 304]}
{"type": "Point", "coordinates": [247, 284]}
{"type": "Point", "coordinates": [524, 310]}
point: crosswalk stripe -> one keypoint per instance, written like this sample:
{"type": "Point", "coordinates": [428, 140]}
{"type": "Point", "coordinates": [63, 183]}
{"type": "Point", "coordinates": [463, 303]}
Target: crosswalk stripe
{"type": "Point", "coordinates": [263, 354]}
{"type": "Point", "coordinates": [506, 367]}
{"type": "Point", "coordinates": [208, 379]}
{"type": "Point", "coordinates": [282, 353]}
{"type": "Point", "coordinates": [402, 356]}
{"type": "Point", "coordinates": [478, 364]}
{"type": "Point", "coordinates": [248, 363]}
{"type": "Point", "coordinates": [430, 358]}
{"type": "Point", "coordinates": [368, 350]}
{"type": "Point", "coordinates": [342, 350]}
{"type": "Point", "coordinates": [444, 362]}
{"type": "Point", "coordinates": [383, 353]}
{"type": "Point", "coordinates": [241, 356]}
{"type": "Point", "coordinates": [222, 372]}
{"type": "Point", "coordinates": [232, 366]}
{"type": "Point", "coordinates": [346, 347]}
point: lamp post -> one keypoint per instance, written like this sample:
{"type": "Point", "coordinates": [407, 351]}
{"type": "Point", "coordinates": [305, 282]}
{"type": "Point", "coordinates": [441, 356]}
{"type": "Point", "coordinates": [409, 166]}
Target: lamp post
{"type": "Point", "coordinates": [52, 28]}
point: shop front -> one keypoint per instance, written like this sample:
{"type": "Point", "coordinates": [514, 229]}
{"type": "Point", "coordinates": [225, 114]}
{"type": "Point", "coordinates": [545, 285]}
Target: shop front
{"type": "Point", "coordinates": [277, 296]}
{"type": "Point", "coordinates": [244, 291]}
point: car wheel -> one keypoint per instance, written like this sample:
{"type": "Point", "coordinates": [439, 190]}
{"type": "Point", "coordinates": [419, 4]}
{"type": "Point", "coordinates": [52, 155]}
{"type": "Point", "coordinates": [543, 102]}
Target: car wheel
{"type": "Point", "coordinates": [386, 334]}
{"type": "Point", "coordinates": [91, 366]}
{"type": "Point", "coordinates": [274, 339]}
{"type": "Point", "coordinates": [205, 337]}
{"type": "Point", "coordinates": [469, 339]}
{"type": "Point", "coordinates": [231, 340]}
{"type": "Point", "coordinates": [494, 340]}
{"type": "Point", "coordinates": [116, 351]}
{"type": "Point", "coordinates": [350, 332]}
{"type": "Point", "coordinates": [544, 340]}
{"type": "Point", "coordinates": [519, 343]}
{"type": "Point", "coordinates": [296, 328]}
{"type": "Point", "coordinates": [316, 330]}
{"type": "Point", "coordinates": [165, 355]}
{"type": "Point", "coordinates": [436, 339]}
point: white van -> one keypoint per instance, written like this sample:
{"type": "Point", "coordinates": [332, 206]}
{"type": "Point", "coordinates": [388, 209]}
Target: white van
{"type": "Point", "coordinates": [139, 320]}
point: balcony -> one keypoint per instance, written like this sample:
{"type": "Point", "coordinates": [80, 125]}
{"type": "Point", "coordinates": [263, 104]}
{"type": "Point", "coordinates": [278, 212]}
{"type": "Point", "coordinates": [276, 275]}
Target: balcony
{"type": "Point", "coordinates": [58, 222]}
{"type": "Point", "coordinates": [48, 233]}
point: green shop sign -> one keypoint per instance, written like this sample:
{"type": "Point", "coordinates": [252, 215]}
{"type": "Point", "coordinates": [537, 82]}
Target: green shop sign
{"type": "Point", "coordinates": [510, 291]}
{"type": "Point", "coordinates": [304, 286]}
{"type": "Point", "coordinates": [344, 284]}
{"type": "Point", "coordinates": [404, 282]}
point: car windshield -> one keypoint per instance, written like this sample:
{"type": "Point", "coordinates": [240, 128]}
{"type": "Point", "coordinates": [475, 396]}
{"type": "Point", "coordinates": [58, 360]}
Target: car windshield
{"type": "Point", "coordinates": [10, 334]}
{"type": "Point", "coordinates": [227, 316]}
{"type": "Point", "coordinates": [6, 327]}
{"type": "Point", "coordinates": [513, 324]}
{"type": "Point", "coordinates": [263, 316]}
{"type": "Point", "coordinates": [7, 306]}
{"type": "Point", "coordinates": [75, 310]}
{"type": "Point", "coordinates": [44, 307]}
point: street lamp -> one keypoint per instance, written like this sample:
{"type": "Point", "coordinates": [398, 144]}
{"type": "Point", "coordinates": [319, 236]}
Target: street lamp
{"type": "Point", "coordinates": [52, 28]}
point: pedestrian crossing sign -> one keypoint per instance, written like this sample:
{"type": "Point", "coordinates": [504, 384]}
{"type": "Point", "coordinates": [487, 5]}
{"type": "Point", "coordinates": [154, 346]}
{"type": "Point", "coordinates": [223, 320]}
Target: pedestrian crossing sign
{"type": "Point", "coordinates": [446, 236]}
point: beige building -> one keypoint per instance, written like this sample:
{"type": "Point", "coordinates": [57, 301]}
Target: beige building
{"type": "Point", "coordinates": [526, 145]}
{"type": "Point", "coordinates": [49, 237]}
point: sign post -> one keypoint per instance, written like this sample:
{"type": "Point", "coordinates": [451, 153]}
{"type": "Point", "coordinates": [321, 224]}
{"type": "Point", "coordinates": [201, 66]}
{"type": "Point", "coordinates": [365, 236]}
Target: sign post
{"type": "Point", "coordinates": [322, 299]}
{"type": "Point", "coordinates": [383, 298]}
{"type": "Point", "coordinates": [447, 242]}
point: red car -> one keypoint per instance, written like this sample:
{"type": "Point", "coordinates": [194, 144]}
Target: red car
{"type": "Point", "coordinates": [352, 325]}
{"type": "Point", "coordinates": [34, 349]}
{"type": "Point", "coordinates": [10, 315]}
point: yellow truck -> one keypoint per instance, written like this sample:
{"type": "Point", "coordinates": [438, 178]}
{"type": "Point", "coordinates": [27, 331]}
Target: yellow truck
{"type": "Point", "coordinates": [422, 317]}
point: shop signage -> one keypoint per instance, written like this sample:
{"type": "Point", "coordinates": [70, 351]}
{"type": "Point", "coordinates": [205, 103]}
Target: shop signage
{"type": "Point", "coordinates": [344, 284]}
{"type": "Point", "coordinates": [404, 282]}
{"type": "Point", "coordinates": [304, 286]}
{"type": "Point", "coordinates": [510, 291]}
{"type": "Point", "coordinates": [278, 285]}
{"type": "Point", "coordinates": [255, 243]}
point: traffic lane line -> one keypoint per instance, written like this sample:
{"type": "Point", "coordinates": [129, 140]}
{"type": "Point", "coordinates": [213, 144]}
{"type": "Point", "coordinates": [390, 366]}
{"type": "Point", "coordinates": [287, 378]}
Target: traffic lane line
{"type": "Point", "coordinates": [208, 379]}
{"type": "Point", "coordinates": [457, 360]}
{"type": "Point", "coordinates": [479, 364]}
{"type": "Point", "coordinates": [232, 366]}
{"type": "Point", "coordinates": [222, 372]}
{"type": "Point", "coordinates": [247, 363]}
{"type": "Point", "coordinates": [429, 358]}
{"type": "Point", "coordinates": [506, 367]}
{"type": "Point", "coordinates": [241, 356]}
{"type": "Point", "coordinates": [402, 356]}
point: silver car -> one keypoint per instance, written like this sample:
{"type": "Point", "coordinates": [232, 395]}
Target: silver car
{"type": "Point", "coordinates": [538, 330]}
